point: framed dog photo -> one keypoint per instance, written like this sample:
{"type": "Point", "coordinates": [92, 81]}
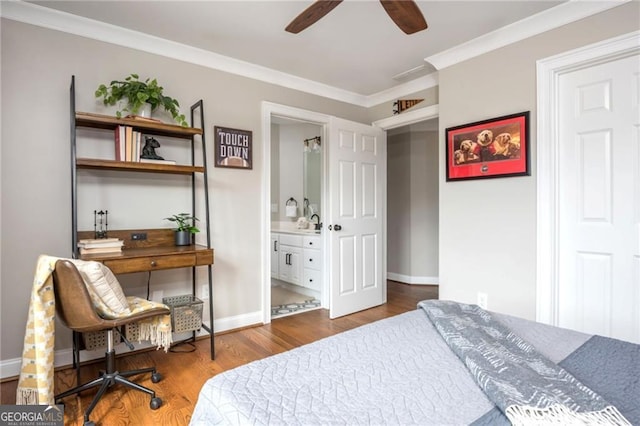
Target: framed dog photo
{"type": "Point", "coordinates": [233, 148]}
{"type": "Point", "coordinates": [498, 147]}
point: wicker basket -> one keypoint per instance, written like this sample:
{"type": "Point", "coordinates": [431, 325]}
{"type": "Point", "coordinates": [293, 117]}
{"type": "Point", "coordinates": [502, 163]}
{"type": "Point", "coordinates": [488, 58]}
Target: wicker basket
{"type": "Point", "coordinates": [98, 339]}
{"type": "Point", "coordinates": [186, 312]}
{"type": "Point", "coordinates": [132, 331]}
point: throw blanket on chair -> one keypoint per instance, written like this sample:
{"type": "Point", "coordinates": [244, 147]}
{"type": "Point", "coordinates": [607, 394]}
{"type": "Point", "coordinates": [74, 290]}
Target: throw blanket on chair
{"type": "Point", "coordinates": [35, 385]}
{"type": "Point", "coordinates": [525, 385]}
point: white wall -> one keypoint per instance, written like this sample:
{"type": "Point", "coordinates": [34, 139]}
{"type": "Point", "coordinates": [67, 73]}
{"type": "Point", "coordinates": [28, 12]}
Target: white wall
{"type": "Point", "coordinates": [488, 227]}
{"type": "Point", "coordinates": [290, 163]}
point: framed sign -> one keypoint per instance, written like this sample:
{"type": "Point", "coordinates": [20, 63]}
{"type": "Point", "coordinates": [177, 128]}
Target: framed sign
{"type": "Point", "coordinates": [233, 148]}
{"type": "Point", "coordinates": [487, 149]}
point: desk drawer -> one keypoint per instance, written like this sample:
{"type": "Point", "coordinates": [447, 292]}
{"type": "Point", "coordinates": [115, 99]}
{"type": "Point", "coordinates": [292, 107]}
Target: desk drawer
{"type": "Point", "coordinates": [151, 263]}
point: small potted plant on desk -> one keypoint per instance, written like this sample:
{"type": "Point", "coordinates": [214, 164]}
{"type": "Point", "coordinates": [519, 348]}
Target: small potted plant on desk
{"type": "Point", "coordinates": [185, 227]}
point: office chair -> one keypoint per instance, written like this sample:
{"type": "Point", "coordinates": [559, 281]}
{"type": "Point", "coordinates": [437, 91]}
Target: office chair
{"type": "Point", "coordinates": [75, 309]}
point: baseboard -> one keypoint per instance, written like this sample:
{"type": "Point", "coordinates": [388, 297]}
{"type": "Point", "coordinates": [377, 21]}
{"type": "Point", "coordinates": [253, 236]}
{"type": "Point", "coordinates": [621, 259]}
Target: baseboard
{"type": "Point", "coordinates": [407, 279]}
{"type": "Point", "coordinates": [11, 368]}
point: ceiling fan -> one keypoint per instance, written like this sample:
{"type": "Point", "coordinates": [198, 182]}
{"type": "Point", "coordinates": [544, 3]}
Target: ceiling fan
{"type": "Point", "coordinates": [405, 13]}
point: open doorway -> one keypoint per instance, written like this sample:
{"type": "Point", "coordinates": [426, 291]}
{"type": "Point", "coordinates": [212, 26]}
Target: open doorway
{"type": "Point", "coordinates": [412, 203]}
{"type": "Point", "coordinates": [296, 204]}
{"type": "Point", "coordinates": [274, 116]}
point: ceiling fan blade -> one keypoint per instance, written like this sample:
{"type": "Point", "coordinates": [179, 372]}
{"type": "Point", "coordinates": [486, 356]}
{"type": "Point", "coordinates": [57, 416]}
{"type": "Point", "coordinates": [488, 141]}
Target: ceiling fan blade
{"type": "Point", "coordinates": [311, 15]}
{"type": "Point", "coordinates": [406, 15]}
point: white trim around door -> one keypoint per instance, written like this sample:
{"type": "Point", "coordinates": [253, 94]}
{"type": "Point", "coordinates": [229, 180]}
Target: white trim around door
{"type": "Point", "coordinates": [549, 71]}
{"type": "Point", "coordinates": [270, 110]}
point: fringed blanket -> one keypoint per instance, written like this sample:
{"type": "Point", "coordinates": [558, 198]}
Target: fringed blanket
{"type": "Point", "coordinates": [35, 385]}
{"type": "Point", "coordinates": [525, 385]}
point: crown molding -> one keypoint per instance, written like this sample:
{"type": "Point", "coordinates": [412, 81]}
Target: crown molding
{"type": "Point", "coordinates": [62, 21]}
{"type": "Point", "coordinates": [41, 16]}
{"type": "Point", "coordinates": [404, 89]}
{"type": "Point", "coordinates": [563, 14]}
{"type": "Point", "coordinates": [408, 117]}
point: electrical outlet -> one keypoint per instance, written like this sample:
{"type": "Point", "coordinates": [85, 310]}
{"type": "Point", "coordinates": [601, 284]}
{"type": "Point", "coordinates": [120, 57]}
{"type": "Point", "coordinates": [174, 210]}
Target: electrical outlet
{"type": "Point", "coordinates": [483, 300]}
{"type": "Point", "coordinates": [204, 291]}
{"type": "Point", "coordinates": [139, 236]}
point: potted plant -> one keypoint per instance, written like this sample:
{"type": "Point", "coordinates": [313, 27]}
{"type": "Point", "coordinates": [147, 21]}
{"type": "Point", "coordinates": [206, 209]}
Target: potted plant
{"type": "Point", "coordinates": [137, 93]}
{"type": "Point", "coordinates": [185, 227]}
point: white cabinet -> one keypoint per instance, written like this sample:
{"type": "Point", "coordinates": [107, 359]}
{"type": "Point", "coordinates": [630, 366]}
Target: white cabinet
{"type": "Point", "coordinates": [297, 259]}
{"type": "Point", "coordinates": [312, 261]}
{"type": "Point", "coordinates": [290, 258]}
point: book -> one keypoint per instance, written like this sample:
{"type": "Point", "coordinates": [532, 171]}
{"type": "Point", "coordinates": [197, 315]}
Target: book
{"type": "Point", "coordinates": [112, 243]}
{"type": "Point", "coordinates": [128, 143]}
{"type": "Point", "coordinates": [100, 250]}
{"type": "Point", "coordinates": [99, 240]}
{"type": "Point", "coordinates": [119, 142]}
{"type": "Point", "coordinates": [138, 139]}
{"type": "Point", "coordinates": [150, 160]}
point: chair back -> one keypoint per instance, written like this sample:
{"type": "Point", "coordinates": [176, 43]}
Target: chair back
{"type": "Point", "coordinates": [73, 303]}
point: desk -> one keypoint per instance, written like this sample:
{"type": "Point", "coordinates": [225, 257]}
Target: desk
{"type": "Point", "coordinates": [157, 252]}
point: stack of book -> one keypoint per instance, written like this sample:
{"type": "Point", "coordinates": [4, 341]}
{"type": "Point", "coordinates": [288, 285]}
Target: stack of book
{"type": "Point", "coordinates": [101, 245]}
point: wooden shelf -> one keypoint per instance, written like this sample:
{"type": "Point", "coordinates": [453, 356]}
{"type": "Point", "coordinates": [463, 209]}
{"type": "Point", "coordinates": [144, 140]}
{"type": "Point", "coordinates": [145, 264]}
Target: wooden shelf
{"type": "Point", "coordinates": [145, 250]}
{"type": "Point", "coordinates": [99, 121]}
{"type": "Point", "coordinates": [96, 164]}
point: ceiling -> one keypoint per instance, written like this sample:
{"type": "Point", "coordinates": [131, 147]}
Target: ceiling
{"type": "Point", "coordinates": [355, 53]}
{"type": "Point", "coordinates": [340, 50]}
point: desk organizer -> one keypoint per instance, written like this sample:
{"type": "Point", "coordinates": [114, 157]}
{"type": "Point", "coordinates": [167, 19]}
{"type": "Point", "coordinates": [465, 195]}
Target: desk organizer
{"type": "Point", "coordinates": [186, 312]}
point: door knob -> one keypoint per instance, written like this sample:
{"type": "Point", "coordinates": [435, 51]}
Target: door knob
{"type": "Point", "coordinates": [337, 227]}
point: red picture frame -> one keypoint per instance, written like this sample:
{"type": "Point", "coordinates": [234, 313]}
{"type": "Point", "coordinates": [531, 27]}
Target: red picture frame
{"type": "Point", "coordinates": [493, 148]}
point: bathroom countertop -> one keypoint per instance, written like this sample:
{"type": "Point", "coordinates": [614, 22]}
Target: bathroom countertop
{"type": "Point", "coordinates": [296, 231]}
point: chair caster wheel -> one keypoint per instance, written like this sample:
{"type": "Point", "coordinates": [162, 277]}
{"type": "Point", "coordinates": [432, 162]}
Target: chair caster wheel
{"type": "Point", "coordinates": [155, 403]}
{"type": "Point", "coordinates": [156, 377]}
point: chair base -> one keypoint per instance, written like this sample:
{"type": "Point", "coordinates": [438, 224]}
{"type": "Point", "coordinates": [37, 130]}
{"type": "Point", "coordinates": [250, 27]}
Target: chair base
{"type": "Point", "coordinates": [109, 378]}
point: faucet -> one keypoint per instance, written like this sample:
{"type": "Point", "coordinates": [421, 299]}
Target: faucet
{"type": "Point", "coordinates": [316, 225]}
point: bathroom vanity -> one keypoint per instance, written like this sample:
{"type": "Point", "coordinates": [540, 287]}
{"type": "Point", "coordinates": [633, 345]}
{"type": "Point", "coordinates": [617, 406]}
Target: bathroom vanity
{"type": "Point", "coordinates": [296, 258]}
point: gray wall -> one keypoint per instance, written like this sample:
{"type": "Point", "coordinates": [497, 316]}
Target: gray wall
{"type": "Point", "coordinates": [478, 250]}
{"type": "Point", "coordinates": [37, 65]}
{"type": "Point", "coordinates": [488, 227]}
{"type": "Point", "coordinates": [412, 205]}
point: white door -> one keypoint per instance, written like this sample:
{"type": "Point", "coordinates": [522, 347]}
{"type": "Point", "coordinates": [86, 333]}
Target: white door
{"type": "Point", "coordinates": [357, 178]}
{"type": "Point", "coordinates": [599, 199]}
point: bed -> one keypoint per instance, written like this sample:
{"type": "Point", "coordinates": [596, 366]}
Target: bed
{"type": "Point", "coordinates": [403, 371]}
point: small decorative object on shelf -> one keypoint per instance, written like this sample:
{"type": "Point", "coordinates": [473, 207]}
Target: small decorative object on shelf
{"type": "Point", "coordinates": [100, 225]}
{"type": "Point", "coordinates": [184, 229]}
{"type": "Point", "coordinates": [138, 93]}
{"type": "Point", "coordinates": [149, 149]}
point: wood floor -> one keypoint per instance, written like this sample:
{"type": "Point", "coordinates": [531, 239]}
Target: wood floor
{"type": "Point", "coordinates": [185, 373]}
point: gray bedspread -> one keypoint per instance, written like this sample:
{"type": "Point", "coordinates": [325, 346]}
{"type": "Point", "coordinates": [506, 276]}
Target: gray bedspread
{"type": "Point", "coordinates": [396, 371]}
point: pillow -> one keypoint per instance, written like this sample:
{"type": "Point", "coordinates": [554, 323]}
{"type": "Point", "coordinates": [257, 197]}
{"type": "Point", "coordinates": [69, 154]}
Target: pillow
{"type": "Point", "coordinates": [103, 287]}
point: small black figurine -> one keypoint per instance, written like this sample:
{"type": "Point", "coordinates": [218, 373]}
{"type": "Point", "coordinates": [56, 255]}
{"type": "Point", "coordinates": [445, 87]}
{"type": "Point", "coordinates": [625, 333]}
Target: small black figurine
{"type": "Point", "coordinates": [149, 149]}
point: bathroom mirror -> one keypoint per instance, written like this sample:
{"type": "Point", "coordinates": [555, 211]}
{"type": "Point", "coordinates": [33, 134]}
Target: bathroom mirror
{"type": "Point", "coordinates": [312, 178]}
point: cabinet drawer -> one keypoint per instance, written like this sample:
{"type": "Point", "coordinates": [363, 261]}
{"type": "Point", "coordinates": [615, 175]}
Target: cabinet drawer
{"type": "Point", "coordinates": [290, 240]}
{"type": "Point", "coordinates": [312, 279]}
{"type": "Point", "coordinates": [312, 259]}
{"type": "Point", "coordinates": [151, 263]}
{"type": "Point", "coordinates": [312, 242]}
